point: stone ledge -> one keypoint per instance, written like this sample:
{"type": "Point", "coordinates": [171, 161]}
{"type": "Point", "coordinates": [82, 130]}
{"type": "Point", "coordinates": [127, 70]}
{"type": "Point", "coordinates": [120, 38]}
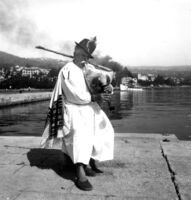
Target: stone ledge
{"type": "Point", "coordinates": [138, 171]}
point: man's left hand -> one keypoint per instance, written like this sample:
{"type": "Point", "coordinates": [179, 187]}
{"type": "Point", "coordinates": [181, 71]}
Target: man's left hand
{"type": "Point", "coordinates": [108, 89]}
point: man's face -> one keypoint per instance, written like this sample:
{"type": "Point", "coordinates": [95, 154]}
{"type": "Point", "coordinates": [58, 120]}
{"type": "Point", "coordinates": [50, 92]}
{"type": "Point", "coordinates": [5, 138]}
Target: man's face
{"type": "Point", "coordinates": [80, 55]}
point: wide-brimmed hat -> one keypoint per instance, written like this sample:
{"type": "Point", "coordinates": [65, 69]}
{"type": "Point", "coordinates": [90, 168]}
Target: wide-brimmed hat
{"type": "Point", "coordinates": [88, 45]}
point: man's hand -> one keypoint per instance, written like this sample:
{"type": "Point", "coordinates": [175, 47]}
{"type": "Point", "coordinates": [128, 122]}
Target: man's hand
{"type": "Point", "coordinates": [105, 96]}
{"type": "Point", "coordinates": [108, 89]}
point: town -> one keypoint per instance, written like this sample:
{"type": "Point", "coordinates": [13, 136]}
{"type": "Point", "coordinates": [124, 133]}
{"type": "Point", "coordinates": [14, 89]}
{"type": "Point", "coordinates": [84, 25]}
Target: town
{"type": "Point", "coordinates": [17, 76]}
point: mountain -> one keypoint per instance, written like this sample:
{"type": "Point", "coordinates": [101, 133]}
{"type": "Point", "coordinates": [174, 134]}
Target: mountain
{"type": "Point", "coordinates": [7, 59]}
{"type": "Point", "coordinates": [183, 71]}
{"type": "Point", "coordinates": [178, 68]}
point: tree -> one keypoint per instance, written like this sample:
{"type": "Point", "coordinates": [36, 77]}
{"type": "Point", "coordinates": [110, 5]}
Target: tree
{"type": "Point", "coordinates": [53, 72]}
{"type": "Point", "coordinates": [159, 80]}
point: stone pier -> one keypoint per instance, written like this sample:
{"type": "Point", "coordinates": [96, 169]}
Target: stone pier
{"type": "Point", "coordinates": [7, 99]}
{"type": "Point", "coordinates": [145, 167]}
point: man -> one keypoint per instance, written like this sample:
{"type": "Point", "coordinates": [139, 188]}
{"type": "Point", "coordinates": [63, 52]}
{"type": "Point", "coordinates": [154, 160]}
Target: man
{"type": "Point", "coordinates": [86, 132]}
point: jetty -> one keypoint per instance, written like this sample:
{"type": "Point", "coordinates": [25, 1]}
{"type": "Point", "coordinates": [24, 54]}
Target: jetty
{"type": "Point", "coordinates": [145, 167]}
{"type": "Point", "coordinates": [12, 99]}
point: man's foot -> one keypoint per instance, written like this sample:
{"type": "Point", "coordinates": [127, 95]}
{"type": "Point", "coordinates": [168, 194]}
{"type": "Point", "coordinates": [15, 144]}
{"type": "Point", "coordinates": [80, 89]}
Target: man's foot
{"type": "Point", "coordinates": [84, 185]}
{"type": "Point", "coordinates": [89, 172]}
{"type": "Point", "coordinates": [94, 167]}
{"type": "Point", "coordinates": [82, 181]}
{"type": "Point", "coordinates": [96, 170]}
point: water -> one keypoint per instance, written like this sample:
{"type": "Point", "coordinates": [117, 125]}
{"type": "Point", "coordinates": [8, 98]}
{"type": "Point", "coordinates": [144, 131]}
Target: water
{"type": "Point", "coordinates": [160, 111]}
{"type": "Point", "coordinates": [166, 111]}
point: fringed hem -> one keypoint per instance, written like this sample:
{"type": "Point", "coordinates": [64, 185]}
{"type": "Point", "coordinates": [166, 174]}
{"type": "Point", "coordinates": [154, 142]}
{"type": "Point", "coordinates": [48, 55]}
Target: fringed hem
{"type": "Point", "coordinates": [53, 142]}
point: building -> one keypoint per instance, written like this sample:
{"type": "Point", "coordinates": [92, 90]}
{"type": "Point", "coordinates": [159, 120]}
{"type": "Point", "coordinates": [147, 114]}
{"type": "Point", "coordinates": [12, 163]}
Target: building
{"type": "Point", "coordinates": [126, 80]}
{"type": "Point", "coordinates": [151, 77]}
{"type": "Point", "coordinates": [129, 81]}
{"type": "Point", "coordinates": [142, 77]}
{"type": "Point", "coordinates": [18, 68]}
{"type": "Point", "coordinates": [2, 78]}
{"type": "Point", "coordinates": [30, 71]}
{"type": "Point", "coordinates": [44, 71]}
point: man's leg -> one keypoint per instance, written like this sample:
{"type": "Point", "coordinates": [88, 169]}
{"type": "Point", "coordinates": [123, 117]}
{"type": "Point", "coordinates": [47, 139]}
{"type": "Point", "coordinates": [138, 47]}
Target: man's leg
{"type": "Point", "coordinates": [82, 181]}
{"type": "Point", "coordinates": [80, 173]}
{"type": "Point", "coordinates": [94, 166]}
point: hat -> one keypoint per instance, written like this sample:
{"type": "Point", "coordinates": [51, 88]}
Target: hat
{"type": "Point", "coordinates": [88, 45]}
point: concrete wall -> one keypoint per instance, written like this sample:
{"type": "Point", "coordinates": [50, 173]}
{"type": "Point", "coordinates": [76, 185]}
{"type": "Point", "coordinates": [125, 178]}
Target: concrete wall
{"type": "Point", "coordinates": [20, 98]}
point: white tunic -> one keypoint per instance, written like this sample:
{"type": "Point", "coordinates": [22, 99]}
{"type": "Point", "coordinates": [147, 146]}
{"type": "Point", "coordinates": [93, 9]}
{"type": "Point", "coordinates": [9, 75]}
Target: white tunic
{"type": "Point", "coordinates": [87, 131]}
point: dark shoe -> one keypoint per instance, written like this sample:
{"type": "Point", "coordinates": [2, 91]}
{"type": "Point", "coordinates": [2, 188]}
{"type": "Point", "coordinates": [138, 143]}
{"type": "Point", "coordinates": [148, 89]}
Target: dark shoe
{"type": "Point", "coordinates": [89, 172]}
{"type": "Point", "coordinates": [96, 170]}
{"type": "Point", "coordinates": [84, 185]}
{"type": "Point", "coordinates": [93, 165]}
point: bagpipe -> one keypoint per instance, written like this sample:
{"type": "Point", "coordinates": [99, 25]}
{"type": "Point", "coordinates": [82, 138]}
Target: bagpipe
{"type": "Point", "coordinates": [97, 77]}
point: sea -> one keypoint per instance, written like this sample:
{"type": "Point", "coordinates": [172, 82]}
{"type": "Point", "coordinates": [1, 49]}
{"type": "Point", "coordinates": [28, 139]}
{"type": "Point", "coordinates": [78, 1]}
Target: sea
{"type": "Point", "coordinates": [154, 110]}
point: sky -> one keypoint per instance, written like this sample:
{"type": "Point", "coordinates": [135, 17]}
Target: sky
{"type": "Point", "coordinates": [132, 32]}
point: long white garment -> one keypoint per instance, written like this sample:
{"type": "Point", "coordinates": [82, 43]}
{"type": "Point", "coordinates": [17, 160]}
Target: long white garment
{"type": "Point", "coordinates": [87, 132]}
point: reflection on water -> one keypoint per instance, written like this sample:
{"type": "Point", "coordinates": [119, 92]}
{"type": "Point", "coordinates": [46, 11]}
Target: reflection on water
{"type": "Point", "coordinates": [166, 111]}
{"type": "Point", "coordinates": [27, 119]}
{"type": "Point", "coordinates": [123, 102]}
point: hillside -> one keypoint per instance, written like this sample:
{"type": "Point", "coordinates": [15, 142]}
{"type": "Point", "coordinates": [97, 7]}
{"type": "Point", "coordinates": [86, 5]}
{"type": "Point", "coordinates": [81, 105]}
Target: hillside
{"type": "Point", "coordinates": [148, 69]}
{"type": "Point", "coordinates": [176, 71]}
{"type": "Point", "coordinates": [9, 59]}
{"type": "Point", "coordinates": [6, 58]}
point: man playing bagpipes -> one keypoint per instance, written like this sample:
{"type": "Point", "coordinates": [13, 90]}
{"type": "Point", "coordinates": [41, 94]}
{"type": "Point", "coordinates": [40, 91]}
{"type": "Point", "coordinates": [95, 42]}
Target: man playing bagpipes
{"type": "Point", "coordinates": [75, 117]}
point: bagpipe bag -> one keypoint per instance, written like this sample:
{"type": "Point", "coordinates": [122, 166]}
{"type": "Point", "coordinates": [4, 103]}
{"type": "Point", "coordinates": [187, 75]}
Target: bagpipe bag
{"type": "Point", "coordinates": [97, 77]}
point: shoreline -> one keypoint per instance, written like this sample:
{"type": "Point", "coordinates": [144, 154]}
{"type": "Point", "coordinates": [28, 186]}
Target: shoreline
{"type": "Point", "coordinates": [159, 87]}
{"type": "Point", "coordinates": [12, 99]}
{"type": "Point", "coordinates": [23, 90]}
{"type": "Point", "coordinates": [16, 97]}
